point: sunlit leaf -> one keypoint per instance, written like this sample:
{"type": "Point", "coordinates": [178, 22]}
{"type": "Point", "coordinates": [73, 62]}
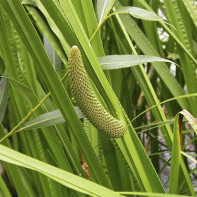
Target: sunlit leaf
{"type": "Point", "coordinates": [139, 13]}
{"type": "Point", "coordinates": [124, 61]}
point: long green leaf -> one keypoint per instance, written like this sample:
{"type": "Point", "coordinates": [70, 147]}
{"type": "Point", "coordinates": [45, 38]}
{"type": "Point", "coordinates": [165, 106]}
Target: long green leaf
{"type": "Point", "coordinates": [139, 13]}
{"type": "Point", "coordinates": [147, 48]}
{"type": "Point", "coordinates": [4, 94]}
{"type": "Point", "coordinates": [191, 7]}
{"type": "Point", "coordinates": [47, 119]}
{"type": "Point", "coordinates": [4, 190]}
{"type": "Point", "coordinates": [65, 178]}
{"type": "Point", "coordinates": [176, 149]}
{"type": "Point", "coordinates": [48, 74]}
{"type": "Point", "coordinates": [175, 156]}
{"type": "Point", "coordinates": [130, 146]}
{"type": "Point", "coordinates": [174, 36]}
{"type": "Point", "coordinates": [124, 61]}
{"type": "Point", "coordinates": [174, 12]}
{"type": "Point", "coordinates": [152, 194]}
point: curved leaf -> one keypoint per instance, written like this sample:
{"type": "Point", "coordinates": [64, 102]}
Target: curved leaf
{"type": "Point", "coordinates": [65, 178]}
{"type": "Point", "coordinates": [139, 13]}
{"type": "Point", "coordinates": [47, 119]}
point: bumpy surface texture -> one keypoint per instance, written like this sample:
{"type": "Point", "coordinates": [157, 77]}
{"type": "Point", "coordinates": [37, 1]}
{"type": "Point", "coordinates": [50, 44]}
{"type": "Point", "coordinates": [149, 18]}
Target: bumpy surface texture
{"type": "Point", "coordinates": [87, 101]}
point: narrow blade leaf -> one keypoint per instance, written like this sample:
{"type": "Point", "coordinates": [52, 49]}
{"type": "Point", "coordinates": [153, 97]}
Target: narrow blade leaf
{"type": "Point", "coordinates": [140, 13]}
{"type": "Point", "coordinates": [103, 7]}
{"type": "Point", "coordinates": [65, 178]}
{"type": "Point", "coordinates": [124, 61]}
{"type": "Point", "coordinates": [176, 155]}
{"type": "Point", "coordinates": [4, 94]}
{"type": "Point", "coordinates": [47, 119]}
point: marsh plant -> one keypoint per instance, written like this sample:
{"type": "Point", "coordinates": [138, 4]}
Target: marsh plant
{"type": "Point", "coordinates": [98, 98]}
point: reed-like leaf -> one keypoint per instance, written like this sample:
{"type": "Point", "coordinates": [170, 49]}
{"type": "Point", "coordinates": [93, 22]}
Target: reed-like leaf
{"type": "Point", "coordinates": [175, 156]}
{"type": "Point", "coordinates": [139, 13]}
{"type": "Point", "coordinates": [65, 178]}
{"type": "Point", "coordinates": [4, 94]}
{"type": "Point", "coordinates": [124, 61]}
{"type": "Point", "coordinates": [47, 119]}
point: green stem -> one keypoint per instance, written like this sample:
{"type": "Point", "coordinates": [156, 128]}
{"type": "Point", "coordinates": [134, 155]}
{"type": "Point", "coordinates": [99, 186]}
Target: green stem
{"type": "Point", "coordinates": [171, 99]}
{"type": "Point", "coordinates": [25, 118]}
{"type": "Point", "coordinates": [99, 26]}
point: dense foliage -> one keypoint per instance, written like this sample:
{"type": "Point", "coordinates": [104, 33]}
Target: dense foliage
{"type": "Point", "coordinates": [140, 59]}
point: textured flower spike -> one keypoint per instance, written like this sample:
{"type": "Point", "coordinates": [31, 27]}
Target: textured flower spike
{"type": "Point", "coordinates": [87, 101]}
